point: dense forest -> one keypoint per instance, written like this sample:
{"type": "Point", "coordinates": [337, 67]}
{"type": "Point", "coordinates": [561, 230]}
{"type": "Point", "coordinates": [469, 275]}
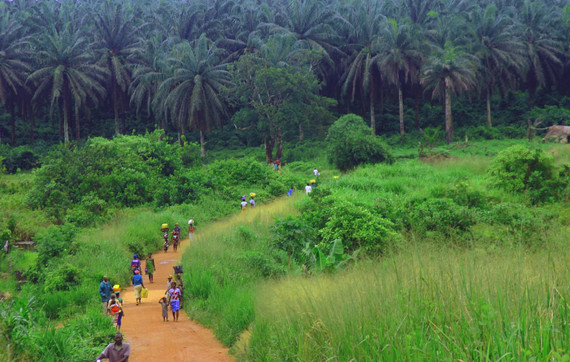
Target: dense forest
{"type": "Point", "coordinates": [276, 71]}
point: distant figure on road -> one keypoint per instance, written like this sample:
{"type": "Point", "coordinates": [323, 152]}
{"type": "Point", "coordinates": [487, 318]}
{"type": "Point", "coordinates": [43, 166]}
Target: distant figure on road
{"type": "Point", "coordinates": [116, 352]}
{"type": "Point", "coordinates": [308, 189]}
{"type": "Point", "coordinates": [243, 203]}
{"type": "Point", "coordinates": [105, 291]}
{"type": "Point", "coordinates": [149, 267]}
{"type": "Point", "coordinates": [191, 229]}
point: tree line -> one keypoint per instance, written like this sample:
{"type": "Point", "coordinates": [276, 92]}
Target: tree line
{"type": "Point", "coordinates": [275, 66]}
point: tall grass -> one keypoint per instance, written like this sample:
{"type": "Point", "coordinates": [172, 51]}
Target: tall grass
{"type": "Point", "coordinates": [423, 304]}
{"type": "Point", "coordinates": [225, 263]}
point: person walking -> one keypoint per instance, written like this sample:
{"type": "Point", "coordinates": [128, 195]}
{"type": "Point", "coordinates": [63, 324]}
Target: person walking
{"type": "Point", "coordinates": [117, 291]}
{"type": "Point", "coordinates": [116, 352]}
{"type": "Point", "coordinates": [105, 291]}
{"type": "Point", "coordinates": [135, 264]}
{"type": "Point", "coordinates": [139, 285]}
{"type": "Point", "coordinates": [243, 203]}
{"type": "Point", "coordinates": [308, 189]}
{"type": "Point", "coordinates": [150, 268]}
{"type": "Point", "coordinates": [115, 309]}
{"type": "Point", "coordinates": [174, 295]}
{"type": "Point", "coordinates": [252, 200]}
{"type": "Point", "coordinates": [191, 229]}
{"type": "Point", "coordinates": [164, 304]}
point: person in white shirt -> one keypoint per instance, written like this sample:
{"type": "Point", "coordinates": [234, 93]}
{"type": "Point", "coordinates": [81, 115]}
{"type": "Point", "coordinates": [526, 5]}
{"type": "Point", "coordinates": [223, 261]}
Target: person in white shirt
{"type": "Point", "coordinates": [316, 172]}
{"type": "Point", "coordinates": [243, 203]}
{"type": "Point", "coordinates": [308, 189]}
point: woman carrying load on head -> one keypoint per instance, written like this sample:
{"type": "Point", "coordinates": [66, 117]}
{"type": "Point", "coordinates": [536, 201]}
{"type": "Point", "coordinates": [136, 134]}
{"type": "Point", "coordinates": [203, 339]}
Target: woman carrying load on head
{"type": "Point", "coordinates": [135, 264]}
{"type": "Point", "coordinates": [243, 203]}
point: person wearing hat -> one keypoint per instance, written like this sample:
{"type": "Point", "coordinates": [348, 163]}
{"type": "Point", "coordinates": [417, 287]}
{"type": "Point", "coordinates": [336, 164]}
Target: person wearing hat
{"type": "Point", "coordinates": [174, 294]}
{"type": "Point", "coordinates": [105, 291]}
{"type": "Point", "coordinates": [135, 264]}
{"type": "Point", "coordinates": [117, 351]}
{"type": "Point", "coordinates": [243, 203]}
{"type": "Point", "coordinates": [191, 229]}
{"type": "Point", "coordinates": [139, 285]}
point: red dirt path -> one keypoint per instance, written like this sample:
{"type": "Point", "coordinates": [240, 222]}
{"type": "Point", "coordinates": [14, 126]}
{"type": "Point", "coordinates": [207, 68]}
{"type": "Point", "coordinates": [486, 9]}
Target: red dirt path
{"type": "Point", "coordinates": [150, 338]}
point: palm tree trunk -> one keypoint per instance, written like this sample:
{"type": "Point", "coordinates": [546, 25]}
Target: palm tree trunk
{"type": "Point", "coordinates": [202, 144]}
{"type": "Point", "coordinates": [301, 133]}
{"type": "Point", "coordinates": [417, 110]}
{"type": "Point", "coordinates": [448, 117]}
{"type": "Point", "coordinates": [372, 116]}
{"type": "Point", "coordinates": [401, 107]}
{"type": "Point", "coordinates": [65, 121]}
{"type": "Point", "coordinates": [116, 110]}
{"type": "Point", "coordinates": [381, 110]}
{"type": "Point", "coordinates": [489, 107]}
{"type": "Point", "coordinates": [279, 152]}
{"type": "Point", "coordinates": [32, 136]}
{"type": "Point", "coordinates": [77, 125]}
{"type": "Point", "coordinates": [13, 126]}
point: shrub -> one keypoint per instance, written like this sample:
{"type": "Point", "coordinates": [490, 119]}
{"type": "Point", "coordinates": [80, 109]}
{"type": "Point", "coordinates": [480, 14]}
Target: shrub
{"type": "Point", "coordinates": [519, 169]}
{"type": "Point", "coordinates": [292, 235]}
{"type": "Point", "coordinates": [357, 227]}
{"type": "Point", "coordinates": [55, 241]}
{"type": "Point", "coordinates": [442, 215]}
{"type": "Point", "coordinates": [350, 143]}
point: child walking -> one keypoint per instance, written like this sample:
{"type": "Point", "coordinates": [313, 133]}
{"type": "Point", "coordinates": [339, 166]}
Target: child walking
{"type": "Point", "coordinates": [164, 304]}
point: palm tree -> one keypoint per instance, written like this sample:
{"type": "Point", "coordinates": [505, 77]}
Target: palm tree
{"type": "Point", "coordinates": [66, 76]}
{"type": "Point", "coordinates": [543, 48]}
{"type": "Point", "coordinates": [401, 58]}
{"type": "Point", "coordinates": [311, 22]}
{"type": "Point", "coordinates": [190, 94]}
{"type": "Point", "coordinates": [14, 68]}
{"type": "Point", "coordinates": [449, 71]}
{"type": "Point", "coordinates": [117, 44]}
{"type": "Point", "coordinates": [361, 73]}
{"type": "Point", "coordinates": [499, 50]}
{"type": "Point", "coordinates": [147, 75]}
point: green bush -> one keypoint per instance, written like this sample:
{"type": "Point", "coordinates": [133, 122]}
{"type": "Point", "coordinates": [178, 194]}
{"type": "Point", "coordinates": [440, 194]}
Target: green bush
{"type": "Point", "coordinates": [442, 215]}
{"type": "Point", "coordinates": [54, 242]}
{"type": "Point", "coordinates": [350, 143]}
{"type": "Point", "coordinates": [519, 169]}
{"type": "Point", "coordinates": [357, 227]}
{"type": "Point", "coordinates": [292, 236]}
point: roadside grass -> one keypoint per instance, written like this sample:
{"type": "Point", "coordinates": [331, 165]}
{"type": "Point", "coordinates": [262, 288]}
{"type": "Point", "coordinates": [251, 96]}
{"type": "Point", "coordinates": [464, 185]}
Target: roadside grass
{"type": "Point", "coordinates": [225, 263]}
{"type": "Point", "coordinates": [424, 303]}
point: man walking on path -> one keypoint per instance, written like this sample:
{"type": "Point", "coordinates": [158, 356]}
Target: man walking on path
{"type": "Point", "coordinates": [116, 352]}
{"type": "Point", "coordinates": [105, 291]}
{"type": "Point", "coordinates": [191, 229]}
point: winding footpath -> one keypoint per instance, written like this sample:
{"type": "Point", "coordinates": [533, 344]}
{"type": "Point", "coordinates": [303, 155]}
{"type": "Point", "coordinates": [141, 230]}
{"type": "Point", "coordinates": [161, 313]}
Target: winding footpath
{"type": "Point", "coordinates": [152, 339]}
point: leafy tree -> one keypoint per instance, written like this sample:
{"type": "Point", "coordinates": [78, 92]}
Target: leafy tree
{"type": "Point", "coordinates": [282, 97]}
{"type": "Point", "coordinates": [293, 236]}
{"type": "Point", "coordinates": [350, 144]}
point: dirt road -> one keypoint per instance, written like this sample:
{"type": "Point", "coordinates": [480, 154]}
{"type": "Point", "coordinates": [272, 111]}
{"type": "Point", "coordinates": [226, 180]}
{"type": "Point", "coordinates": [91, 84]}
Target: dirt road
{"type": "Point", "coordinates": [152, 339]}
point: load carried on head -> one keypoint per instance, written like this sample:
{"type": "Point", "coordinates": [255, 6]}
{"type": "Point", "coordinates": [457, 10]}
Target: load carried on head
{"type": "Point", "coordinates": [164, 227]}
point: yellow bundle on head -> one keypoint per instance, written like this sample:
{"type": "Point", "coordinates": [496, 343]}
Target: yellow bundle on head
{"type": "Point", "coordinates": [252, 194]}
{"type": "Point", "coordinates": [164, 226]}
{"type": "Point", "coordinates": [116, 287]}
{"type": "Point", "coordinates": [313, 181]}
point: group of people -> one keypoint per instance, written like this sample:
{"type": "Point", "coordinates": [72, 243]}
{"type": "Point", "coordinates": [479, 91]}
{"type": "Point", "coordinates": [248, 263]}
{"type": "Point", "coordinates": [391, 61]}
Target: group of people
{"type": "Point", "coordinates": [244, 201]}
{"type": "Point", "coordinates": [172, 298]}
{"type": "Point", "coordinates": [112, 301]}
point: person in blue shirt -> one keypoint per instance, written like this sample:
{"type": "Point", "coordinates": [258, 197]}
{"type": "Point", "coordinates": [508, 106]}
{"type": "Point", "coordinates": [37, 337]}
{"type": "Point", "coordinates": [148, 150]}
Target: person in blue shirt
{"type": "Point", "coordinates": [105, 291]}
{"type": "Point", "coordinates": [139, 285]}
